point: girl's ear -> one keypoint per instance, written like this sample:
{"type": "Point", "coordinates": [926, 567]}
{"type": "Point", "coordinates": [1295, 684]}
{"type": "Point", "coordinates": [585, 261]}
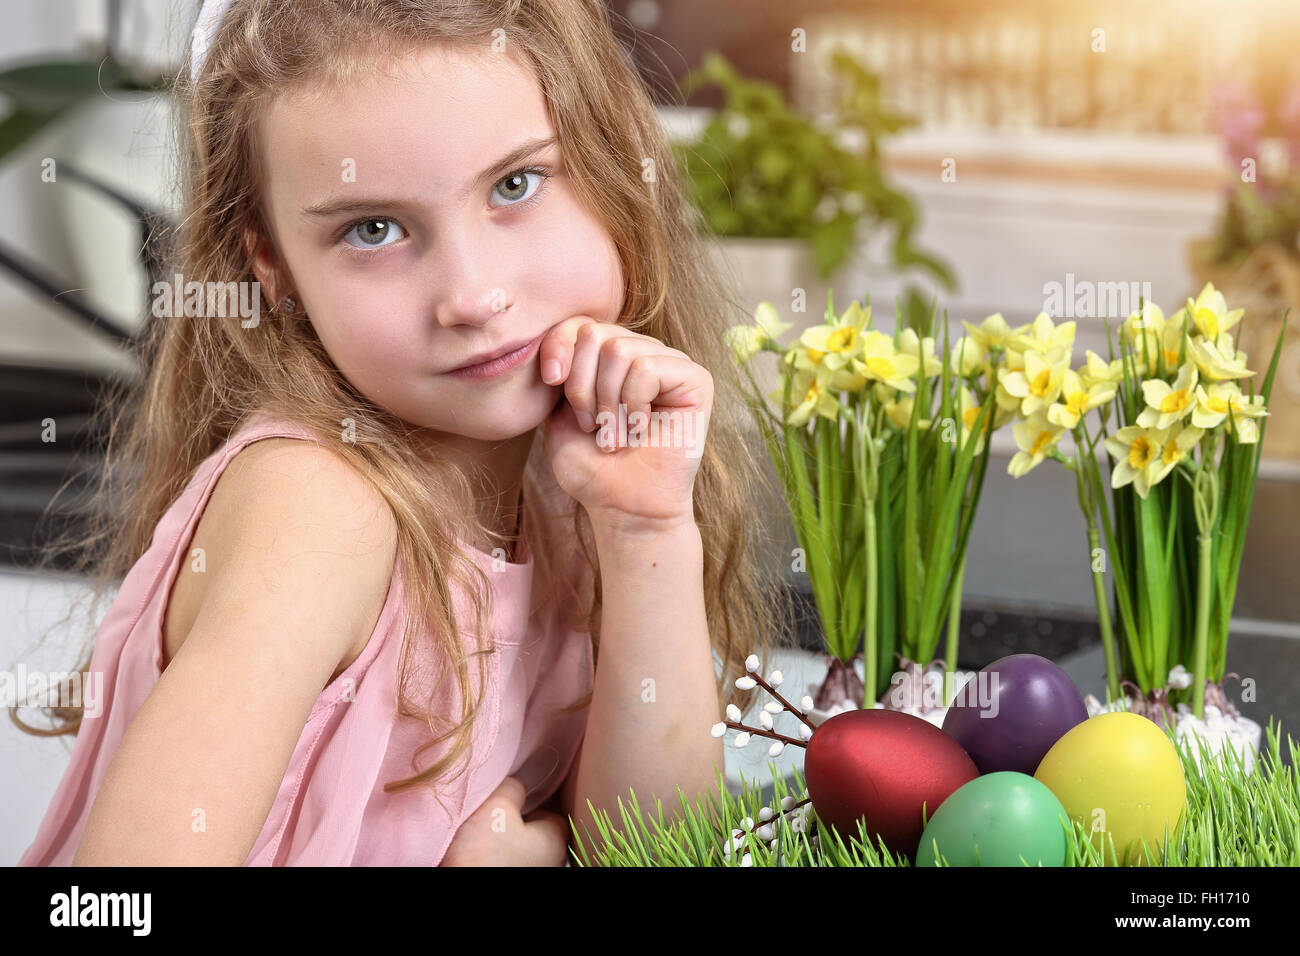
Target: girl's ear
{"type": "Point", "coordinates": [265, 264]}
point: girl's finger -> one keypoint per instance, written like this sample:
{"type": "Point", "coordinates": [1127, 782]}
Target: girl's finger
{"type": "Point", "coordinates": [557, 347]}
{"type": "Point", "coordinates": [580, 385]}
{"type": "Point", "coordinates": [616, 357]}
{"type": "Point", "coordinates": [667, 381]}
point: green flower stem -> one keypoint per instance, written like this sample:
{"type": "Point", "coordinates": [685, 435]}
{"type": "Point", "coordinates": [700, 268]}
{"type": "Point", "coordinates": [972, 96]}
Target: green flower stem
{"type": "Point", "coordinates": [1114, 559]}
{"type": "Point", "coordinates": [1083, 490]}
{"type": "Point", "coordinates": [954, 623]}
{"type": "Point", "coordinates": [1204, 556]}
{"type": "Point", "coordinates": [869, 641]}
{"type": "Point", "coordinates": [865, 477]}
{"type": "Point", "coordinates": [1103, 615]}
{"type": "Point", "coordinates": [1206, 491]}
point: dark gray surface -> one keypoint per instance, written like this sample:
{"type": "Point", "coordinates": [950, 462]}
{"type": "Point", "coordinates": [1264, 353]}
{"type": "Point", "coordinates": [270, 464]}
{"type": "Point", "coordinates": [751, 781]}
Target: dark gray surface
{"type": "Point", "coordinates": [1029, 545]}
{"type": "Point", "coordinates": [1271, 662]}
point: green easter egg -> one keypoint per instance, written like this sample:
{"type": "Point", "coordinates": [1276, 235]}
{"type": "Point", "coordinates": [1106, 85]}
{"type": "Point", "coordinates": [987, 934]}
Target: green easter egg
{"type": "Point", "coordinates": [995, 820]}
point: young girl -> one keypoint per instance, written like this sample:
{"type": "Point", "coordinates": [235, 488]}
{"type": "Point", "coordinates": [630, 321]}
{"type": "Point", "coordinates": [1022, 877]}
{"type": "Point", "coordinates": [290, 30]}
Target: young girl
{"type": "Point", "coordinates": [361, 605]}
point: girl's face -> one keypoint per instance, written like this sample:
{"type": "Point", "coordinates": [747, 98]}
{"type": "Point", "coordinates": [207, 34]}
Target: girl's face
{"type": "Point", "coordinates": [426, 222]}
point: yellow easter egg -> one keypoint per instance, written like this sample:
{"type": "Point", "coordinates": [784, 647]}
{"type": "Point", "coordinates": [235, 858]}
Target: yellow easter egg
{"type": "Point", "coordinates": [1119, 776]}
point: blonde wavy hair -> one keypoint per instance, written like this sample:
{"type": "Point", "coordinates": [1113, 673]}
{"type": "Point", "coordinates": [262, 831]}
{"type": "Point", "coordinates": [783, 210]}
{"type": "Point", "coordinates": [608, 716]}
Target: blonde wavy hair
{"type": "Point", "coordinates": [204, 376]}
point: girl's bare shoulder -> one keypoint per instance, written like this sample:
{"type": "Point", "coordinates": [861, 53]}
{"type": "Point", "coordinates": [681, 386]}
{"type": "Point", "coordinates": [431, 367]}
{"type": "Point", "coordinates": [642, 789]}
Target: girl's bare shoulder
{"type": "Point", "coordinates": [282, 500]}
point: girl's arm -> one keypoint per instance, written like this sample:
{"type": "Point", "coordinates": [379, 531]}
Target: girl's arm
{"type": "Point", "coordinates": [296, 575]}
{"type": "Point", "coordinates": [655, 695]}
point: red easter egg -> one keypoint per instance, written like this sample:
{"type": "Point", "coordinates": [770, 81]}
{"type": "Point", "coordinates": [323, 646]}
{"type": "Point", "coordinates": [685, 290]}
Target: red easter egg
{"type": "Point", "coordinates": [882, 766]}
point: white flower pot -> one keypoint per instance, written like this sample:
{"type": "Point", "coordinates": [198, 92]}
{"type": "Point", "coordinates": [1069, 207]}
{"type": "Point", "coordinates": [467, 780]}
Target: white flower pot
{"type": "Point", "coordinates": [933, 691]}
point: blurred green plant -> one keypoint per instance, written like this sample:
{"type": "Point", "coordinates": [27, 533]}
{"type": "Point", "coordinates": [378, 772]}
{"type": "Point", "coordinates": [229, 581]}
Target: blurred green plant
{"type": "Point", "coordinates": [1255, 214]}
{"type": "Point", "coordinates": [759, 169]}
{"type": "Point", "coordinates": [42, 91]}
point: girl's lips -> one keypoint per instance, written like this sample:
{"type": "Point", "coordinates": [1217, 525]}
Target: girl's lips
{"type": "Point", "coordinates": [499, 366]}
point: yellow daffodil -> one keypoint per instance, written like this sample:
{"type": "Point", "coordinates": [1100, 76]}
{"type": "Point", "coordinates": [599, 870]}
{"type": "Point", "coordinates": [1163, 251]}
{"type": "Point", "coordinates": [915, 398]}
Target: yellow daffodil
{"type": "Point", "coordinates": [1214, 403]}
{"type": "Point", "coordinates": [970, 412]}
{"type": "Point", "coordinates": [1171, 339]}
{"type": "Point", "coordinates": [1210, 313]}
{"type": "Point", "coordinates": [1035, 437]}
{"type": "Point", "coordinates": [1007, 403]}
{"type": "Point", "coordinates": [810, 394]}
{"type": "Point", "coordinates": [1098, 371]}
{"type": "Point", "coordinates": [836, 343]}
{"type": "Point", "coordinates": [899, 412]}
{"type": "Point", "coordinates": [1039, 383]}
{"type": "Point", "coordinates": [909, 343]}
{"type": "Point", "coordinates": [1163, 351]}
{"type": "Point", "coordinates": [1245, 429]}
{"type": "Point", "coordinates": [746, 341]}
{"type": "Point", "coordinates": [992, 333]}
{"type": "Point", "coordinates": [1173, 448]}
{"type": "Point", "coordinates": [1149, 318]}
{"type": "Point", "coordinates": [967, 357]}
{"type": "Point", "coordinates": [1077, 399]}
{"type": "Point", "coordinates": [881, 361]}
{"type": "Point", "coordinates": [769, 320]}
{"type": "Point", "coordinates": [800, 357]}
{"type": "Point", "coordinates": [1218, 360]}
{"type": "Point", "coordinates": [1003, 416]}
{"type": "Point", "coordinates": [1165, 403]}
{"type": "Point", "coordinates": [1041, 335]}
{"type": "Point", "coordinates": [1134, 449]}
{"type": "Point", "coordinates": [1013, 359]}
{"type": "Point", "coordinates": [847, 380]}
{"type": "Point", "coordinates": [1154, 338]}
{"type": "Point", "coordinates": [1223, 401]}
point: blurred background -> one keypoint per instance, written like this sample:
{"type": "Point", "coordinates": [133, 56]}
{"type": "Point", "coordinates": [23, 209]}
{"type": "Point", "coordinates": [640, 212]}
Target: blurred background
{"type": "Point", "coordinates": [977, 153]}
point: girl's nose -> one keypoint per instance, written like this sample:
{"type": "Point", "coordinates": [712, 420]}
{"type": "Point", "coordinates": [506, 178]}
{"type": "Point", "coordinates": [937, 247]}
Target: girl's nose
{"type": "Point", "coordinates": [471, 309]}
{"type": "Point", "coordinates": [468, 286]}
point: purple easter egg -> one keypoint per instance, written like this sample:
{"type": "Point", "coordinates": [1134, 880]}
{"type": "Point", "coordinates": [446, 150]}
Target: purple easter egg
{"type": "Point", "coordinates": [1011, 713]}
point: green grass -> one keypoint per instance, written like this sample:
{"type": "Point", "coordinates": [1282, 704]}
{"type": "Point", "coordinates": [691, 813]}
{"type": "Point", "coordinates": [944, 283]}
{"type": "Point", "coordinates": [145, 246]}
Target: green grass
{"type": "Point", "coordinates": [1233, 818]}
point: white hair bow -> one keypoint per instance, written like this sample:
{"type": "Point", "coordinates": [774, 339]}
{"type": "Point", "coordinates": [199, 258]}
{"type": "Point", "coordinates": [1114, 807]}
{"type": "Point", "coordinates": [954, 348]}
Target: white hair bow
{"type": "Point", "coordinates": [205, 29]}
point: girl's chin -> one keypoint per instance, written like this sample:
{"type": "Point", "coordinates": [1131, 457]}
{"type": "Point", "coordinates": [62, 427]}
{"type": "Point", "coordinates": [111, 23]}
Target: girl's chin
{"type": "Point", "coordinates": [506, 416]}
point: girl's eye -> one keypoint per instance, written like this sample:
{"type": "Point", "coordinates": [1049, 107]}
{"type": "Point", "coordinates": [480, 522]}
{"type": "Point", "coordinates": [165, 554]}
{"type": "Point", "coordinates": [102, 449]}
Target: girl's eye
{"type": "Point", "coordinates": [373, 233]}
{"type": "Point", "coordinates": [514, 188]}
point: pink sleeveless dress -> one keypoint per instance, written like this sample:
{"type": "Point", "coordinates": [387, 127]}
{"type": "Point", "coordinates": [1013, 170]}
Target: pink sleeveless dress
{"type": "Point", "coordinates": [331, 808]}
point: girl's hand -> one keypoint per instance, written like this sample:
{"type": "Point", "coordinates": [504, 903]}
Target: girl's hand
{"type": "Point", "coordinates": [637, 467]}
{"type": "Point", "coordinates": [496, 835]}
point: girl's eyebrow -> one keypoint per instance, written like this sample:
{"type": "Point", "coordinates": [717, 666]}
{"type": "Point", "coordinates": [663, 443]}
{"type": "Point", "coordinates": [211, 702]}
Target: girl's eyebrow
{"type": "Point", "coordinates": [336, 205]}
